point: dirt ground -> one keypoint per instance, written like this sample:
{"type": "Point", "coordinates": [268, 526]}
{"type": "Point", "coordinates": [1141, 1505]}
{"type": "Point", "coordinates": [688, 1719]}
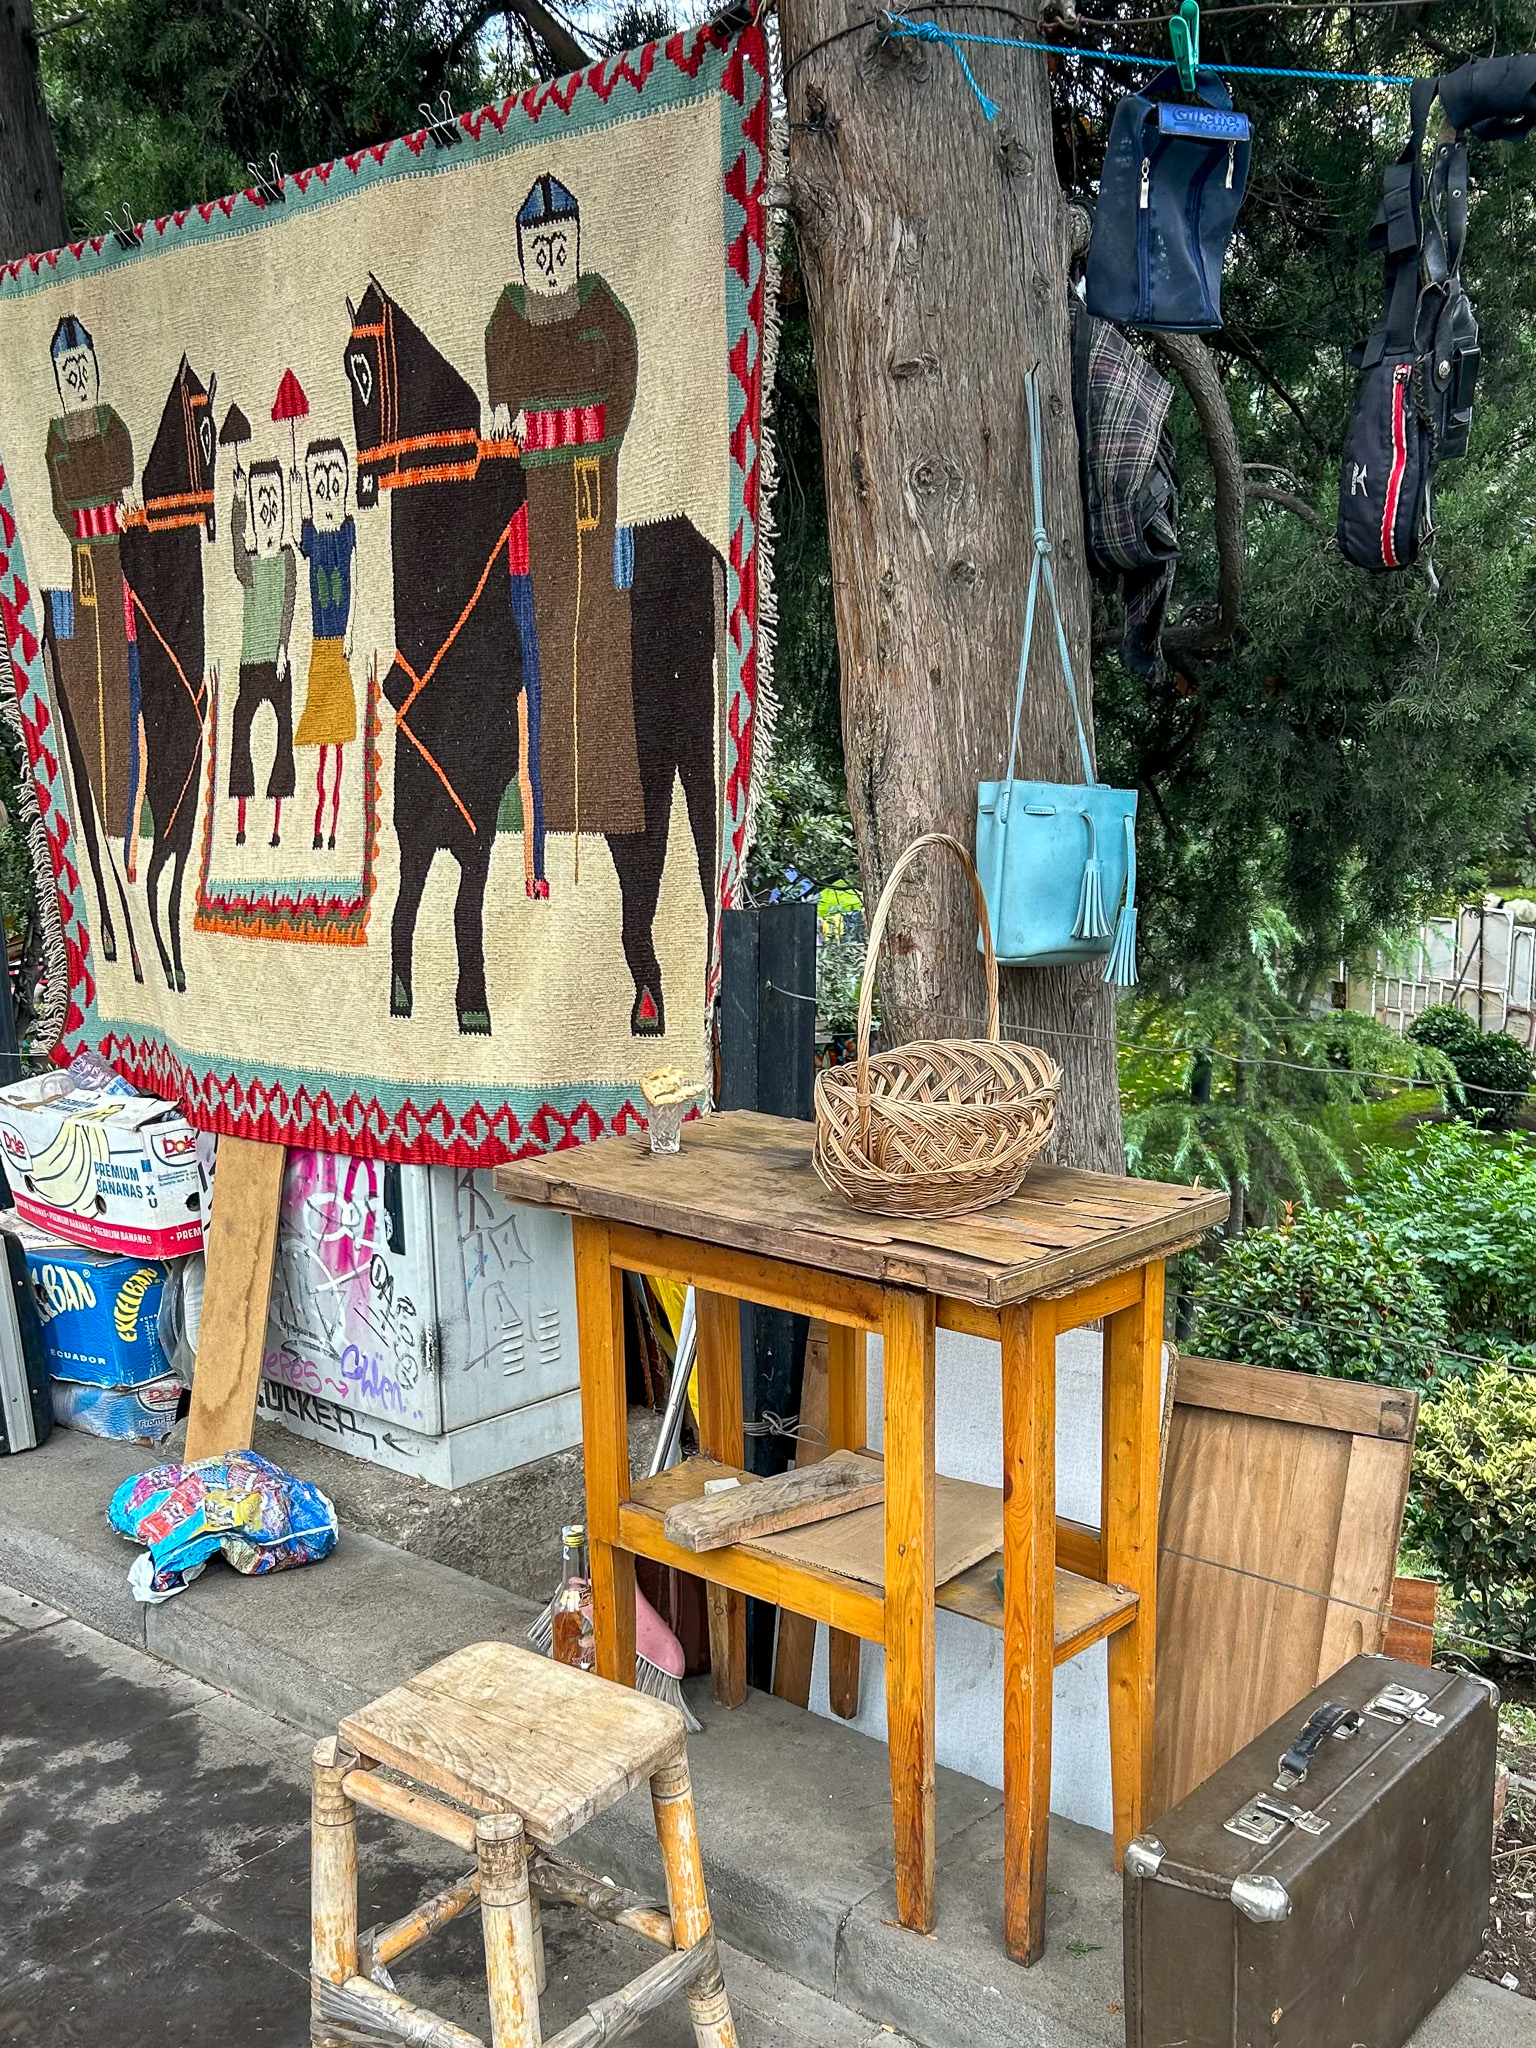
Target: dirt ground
{"type": "Point", "coordinates": [1509, 1955]}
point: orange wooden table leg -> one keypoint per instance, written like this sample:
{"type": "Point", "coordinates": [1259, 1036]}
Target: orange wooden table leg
{"type": "Point", "coordinates": [847, 1430]}
{"type": "Point", "coordinates": [605, 1447]}
{"type": "Point", "coordinates": [1029, 1617]}
{"type": "Point", "coordinates": [1133, 1354]}
{"type": "Point", "coordinates": [909, 1624]}
{"type": "Point", "coordinates": [720, 1435]}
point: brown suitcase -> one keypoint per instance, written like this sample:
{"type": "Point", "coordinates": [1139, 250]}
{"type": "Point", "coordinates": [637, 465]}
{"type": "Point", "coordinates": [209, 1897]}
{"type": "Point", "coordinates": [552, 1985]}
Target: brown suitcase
{"type": "Point", "coordinates": [1328, 1885]}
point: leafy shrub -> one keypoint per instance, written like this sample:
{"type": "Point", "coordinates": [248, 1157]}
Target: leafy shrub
{"type": "Point", "coordinates": [1465, 1202]}
{"type": "Point", "coordinates": [1496, 1073]}
{"type": "Point", "coordinates": [1495, 1070]}
{"type": "Point", "coordinates": [1473, 1504]}
{"type": "Point", "coordinates": [1325, 1293]}
{"type": "Point", "coordinates": [1446, 1028]}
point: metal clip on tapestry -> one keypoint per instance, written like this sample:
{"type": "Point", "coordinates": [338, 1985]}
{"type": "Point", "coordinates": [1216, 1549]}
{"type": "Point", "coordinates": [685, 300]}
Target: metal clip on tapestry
{"type": "Point", "coordinates": [1054, 857]}
{"type": "Point", "coordinates": [444, 127]}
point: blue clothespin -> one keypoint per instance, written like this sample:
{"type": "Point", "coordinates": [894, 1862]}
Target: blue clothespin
{"type": "Point", "coordinates": [1184, 33]}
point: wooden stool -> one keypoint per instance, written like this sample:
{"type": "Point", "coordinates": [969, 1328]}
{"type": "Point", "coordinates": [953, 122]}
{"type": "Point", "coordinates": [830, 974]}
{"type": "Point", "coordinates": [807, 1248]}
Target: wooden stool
{"type": "Point", "coordinates": [529, 1751]}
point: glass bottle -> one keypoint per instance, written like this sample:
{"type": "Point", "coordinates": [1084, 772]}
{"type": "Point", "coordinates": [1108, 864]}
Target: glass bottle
{"type": "Point", "coordinates": [573, 1603]}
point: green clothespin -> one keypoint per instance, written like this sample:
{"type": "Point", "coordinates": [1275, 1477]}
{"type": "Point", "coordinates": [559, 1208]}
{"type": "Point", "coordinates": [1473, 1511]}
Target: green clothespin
{"type": "Point", "coordinates": [1184, 32]}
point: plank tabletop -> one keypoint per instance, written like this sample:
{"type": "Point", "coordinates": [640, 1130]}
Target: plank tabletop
{"type": "Point", "coordinates": [745, 1181]}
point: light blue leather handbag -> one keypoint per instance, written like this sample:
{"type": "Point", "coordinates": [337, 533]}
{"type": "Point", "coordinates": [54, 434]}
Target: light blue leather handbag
{"type": "Point", "coordinates": [1057, 860]}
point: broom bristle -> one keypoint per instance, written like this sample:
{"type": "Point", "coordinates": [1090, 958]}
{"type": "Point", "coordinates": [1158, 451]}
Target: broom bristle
{"type": "Point", "coordinates": [649, 1677]}
{"type": "Point", "coordinates": [661, 1685]}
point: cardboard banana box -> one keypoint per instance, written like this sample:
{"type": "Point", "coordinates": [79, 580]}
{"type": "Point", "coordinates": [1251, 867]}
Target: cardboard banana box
{"type": "Point", "coordinates": [124, 1173]}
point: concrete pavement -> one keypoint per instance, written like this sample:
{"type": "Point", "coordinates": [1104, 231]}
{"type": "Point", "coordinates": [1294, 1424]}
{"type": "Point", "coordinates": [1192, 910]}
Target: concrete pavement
{"type": "Point", "coordinates": [154, 1874]}
{"type": "Point", "coordinates": [794, 1810]}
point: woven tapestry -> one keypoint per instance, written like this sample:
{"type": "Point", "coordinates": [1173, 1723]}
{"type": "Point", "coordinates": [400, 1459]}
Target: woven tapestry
{"type": "Point", "coordinates": [381, 570]}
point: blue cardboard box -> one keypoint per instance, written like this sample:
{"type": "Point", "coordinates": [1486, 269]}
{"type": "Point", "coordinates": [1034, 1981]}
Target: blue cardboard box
{"type": "Point", "coordinates": [100, 1312]}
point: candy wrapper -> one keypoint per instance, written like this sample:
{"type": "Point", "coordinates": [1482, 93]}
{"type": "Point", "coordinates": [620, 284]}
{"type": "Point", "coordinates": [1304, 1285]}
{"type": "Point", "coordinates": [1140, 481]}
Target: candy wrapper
{"type": "Point", "coordinates": [262, 1518]}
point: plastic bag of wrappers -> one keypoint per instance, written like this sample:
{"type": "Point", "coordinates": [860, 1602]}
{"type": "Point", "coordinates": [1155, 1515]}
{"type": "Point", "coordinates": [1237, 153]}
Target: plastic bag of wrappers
{"type": "Point", "coordinates": [262, 1518]}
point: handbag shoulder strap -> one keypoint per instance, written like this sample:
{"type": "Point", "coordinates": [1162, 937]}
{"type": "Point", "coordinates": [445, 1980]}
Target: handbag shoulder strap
{"type": "Point", "coordinates": [1040, 568]}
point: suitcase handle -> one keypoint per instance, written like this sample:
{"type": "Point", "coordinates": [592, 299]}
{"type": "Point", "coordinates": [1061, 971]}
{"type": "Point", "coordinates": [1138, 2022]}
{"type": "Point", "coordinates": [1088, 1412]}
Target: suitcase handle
{"type": "Point", "coordinates": [1330, 1719]}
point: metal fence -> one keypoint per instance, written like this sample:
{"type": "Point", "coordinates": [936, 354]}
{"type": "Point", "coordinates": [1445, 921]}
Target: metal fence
{"type": "Point", "coordinates": [1483, 960]}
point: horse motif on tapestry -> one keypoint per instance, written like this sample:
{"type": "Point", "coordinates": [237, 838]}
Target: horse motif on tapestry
{"type": "Point", "coordinates": [420, 619]}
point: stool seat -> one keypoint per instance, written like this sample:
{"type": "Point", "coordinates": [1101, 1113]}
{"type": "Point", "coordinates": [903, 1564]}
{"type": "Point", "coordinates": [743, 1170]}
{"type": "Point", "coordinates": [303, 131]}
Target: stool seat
{"type": "Point", "coordinates": [504, 1730]}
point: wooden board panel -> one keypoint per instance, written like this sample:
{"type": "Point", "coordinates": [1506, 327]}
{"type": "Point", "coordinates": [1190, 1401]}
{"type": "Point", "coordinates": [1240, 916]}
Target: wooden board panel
{"type": "Point", "coordinates": [1265, 1518]}
{"type": "Point", "coordinates": [746, 1181]}
{"type": "Point", "coordinates": [502, 1729]}
{"type": "Point", "coordinates": [1410, 1636]}
{"type": "Point", "coordinates": [847, 1429]}
{"type": "Point", "coordinates": [241, 1245]}
{"type": "Point", "coordinates": [1298, 1397]}
{"type": "Point", "coordinates": [783, 1500]}
{"type": "Point", "coordinates": [1084, 1610]}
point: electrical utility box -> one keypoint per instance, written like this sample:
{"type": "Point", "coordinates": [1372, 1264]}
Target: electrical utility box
{"type": "Point", "coordinates": [420, 1321]}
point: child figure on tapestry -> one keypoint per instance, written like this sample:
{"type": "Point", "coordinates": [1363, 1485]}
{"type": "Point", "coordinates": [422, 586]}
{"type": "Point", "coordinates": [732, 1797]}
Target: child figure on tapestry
{"type": "Point", "coordinates": [269, 580]}
{"type": "Point", "coordinates": [328, 542]}
{"type": "Point", "coordinates": [90, 467]}
{"type": "Point", "coordinates": [561, 365]}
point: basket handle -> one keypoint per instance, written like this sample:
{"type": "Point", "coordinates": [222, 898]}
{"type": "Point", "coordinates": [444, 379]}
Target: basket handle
{"type": "Point", "coordinates": [872, 949]}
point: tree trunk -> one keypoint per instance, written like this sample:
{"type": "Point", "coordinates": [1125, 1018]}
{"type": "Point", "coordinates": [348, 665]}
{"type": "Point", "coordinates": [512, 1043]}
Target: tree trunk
{"type": "Point", "coordinates": [934, 250]}
{"type": "Point", "coordinates": [32, 213]}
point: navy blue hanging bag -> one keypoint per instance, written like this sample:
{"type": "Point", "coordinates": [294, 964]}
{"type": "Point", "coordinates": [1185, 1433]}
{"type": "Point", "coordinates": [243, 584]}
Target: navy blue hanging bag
{"type": "Point", "coordinates": [1173, 180]}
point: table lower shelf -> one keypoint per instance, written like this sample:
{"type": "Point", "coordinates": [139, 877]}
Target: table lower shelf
{"type": "Point", "coordinates": [1086, 1610]}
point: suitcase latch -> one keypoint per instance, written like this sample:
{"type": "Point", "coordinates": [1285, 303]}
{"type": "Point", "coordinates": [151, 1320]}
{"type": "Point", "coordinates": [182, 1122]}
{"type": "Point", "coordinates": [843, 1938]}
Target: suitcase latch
{"type": "Point", "coordinates": [1264, 1820]}
{"type": "Point", "coordinates": [1400, 1704]}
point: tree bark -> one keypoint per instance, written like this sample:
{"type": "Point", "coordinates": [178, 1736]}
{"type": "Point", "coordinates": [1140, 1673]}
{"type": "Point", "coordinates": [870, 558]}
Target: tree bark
{"type": "Point", "coordinates": [934, 249]}
{"type": "Point", "coordinates": [32, 215]}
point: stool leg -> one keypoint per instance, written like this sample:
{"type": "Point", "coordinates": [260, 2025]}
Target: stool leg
{"type": "Point", "coordinates": [332, 1872]}
{"type": "Point", "coordinates": [677, 1831]}
{"type": "Point", "coordinates": [506, 1917]}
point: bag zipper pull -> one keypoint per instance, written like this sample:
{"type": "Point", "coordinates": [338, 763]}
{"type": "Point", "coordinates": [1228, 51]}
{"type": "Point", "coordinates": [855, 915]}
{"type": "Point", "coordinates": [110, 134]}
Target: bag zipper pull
{"type": "Point", "coordinates": [1146, 183]}
{"type": "Point", "coordinates": [1231, 163]}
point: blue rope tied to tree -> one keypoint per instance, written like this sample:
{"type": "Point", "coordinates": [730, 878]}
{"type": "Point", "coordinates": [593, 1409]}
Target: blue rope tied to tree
{"type": "Point", "coordinates": [931, 32]}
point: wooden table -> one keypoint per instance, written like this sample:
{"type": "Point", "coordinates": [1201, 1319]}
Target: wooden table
{"type": "Point", "coordinates": [740, 1215]}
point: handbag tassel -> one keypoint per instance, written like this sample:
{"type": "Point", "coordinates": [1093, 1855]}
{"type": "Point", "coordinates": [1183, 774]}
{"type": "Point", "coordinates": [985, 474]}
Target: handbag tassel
{"type": "Point", "coordinates": [1092, 918]}
{"type": "Point", "coordinates": [1120, 967]}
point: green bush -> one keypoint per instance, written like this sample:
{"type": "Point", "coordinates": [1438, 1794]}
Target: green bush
{"type": "Point", "coordinates": [1325, 1293]}
{"type": "Point", "coordinates": [1495, 1071]}
{"type": "Point", "coordinates": [1473, 1503]}
{"type": "Point", "coordinates": [1446, 1028]}
{"type": "Point", "coordinates": [1465, 1202]}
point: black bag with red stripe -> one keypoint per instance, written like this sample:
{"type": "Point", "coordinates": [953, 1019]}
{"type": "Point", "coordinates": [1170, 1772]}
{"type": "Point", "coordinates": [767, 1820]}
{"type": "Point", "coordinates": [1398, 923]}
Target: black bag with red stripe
{"type": "Point", "coordinates": [1414, 406]}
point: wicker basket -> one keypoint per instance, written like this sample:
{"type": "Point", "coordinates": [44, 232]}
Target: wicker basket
{"type": "Point", "coordinates": [942, 1126]}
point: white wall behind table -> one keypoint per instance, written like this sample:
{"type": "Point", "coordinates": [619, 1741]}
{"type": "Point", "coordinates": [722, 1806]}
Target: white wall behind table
{"type": "Point", "coordinates": [968, 1655]}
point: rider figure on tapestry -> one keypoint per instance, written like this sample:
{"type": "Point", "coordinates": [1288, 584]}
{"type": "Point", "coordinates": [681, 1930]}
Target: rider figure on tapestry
{"type": "Point", "coordinates": [265, 569]}
{"type": "Point", "coordinates": [90, 466]}
{"type": "Point", "coordinates": [561, 368]}
{"type": "Point", "coordinates": [328, 542]}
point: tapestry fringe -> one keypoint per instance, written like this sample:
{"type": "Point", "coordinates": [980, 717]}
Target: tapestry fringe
{"type": "Point", "coordinates": [53, 1009]}
{"type": "Point", "coordinates": [766, 709]}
